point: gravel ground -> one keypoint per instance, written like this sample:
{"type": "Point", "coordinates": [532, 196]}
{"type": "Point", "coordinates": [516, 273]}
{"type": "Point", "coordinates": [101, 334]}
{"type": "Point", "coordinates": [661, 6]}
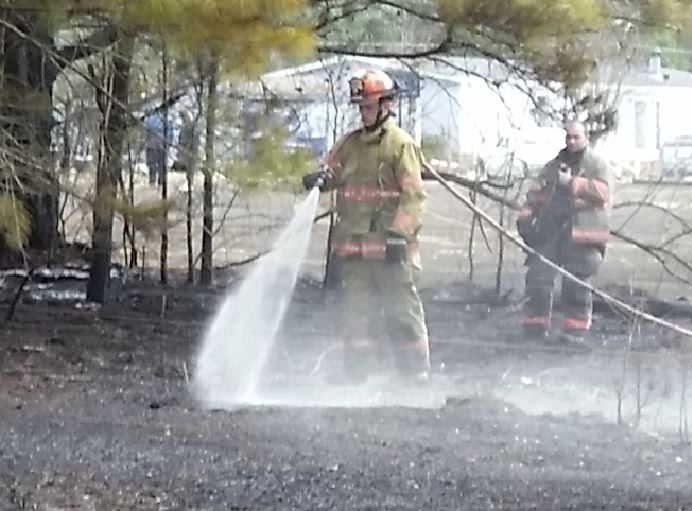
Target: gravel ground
{"type": "Point", "coordinates": [95, 414]}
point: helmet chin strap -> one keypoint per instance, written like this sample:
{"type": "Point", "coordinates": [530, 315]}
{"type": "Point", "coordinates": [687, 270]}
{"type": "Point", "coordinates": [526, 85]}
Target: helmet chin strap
{"type": "Point", "coordinates": [379, 120]}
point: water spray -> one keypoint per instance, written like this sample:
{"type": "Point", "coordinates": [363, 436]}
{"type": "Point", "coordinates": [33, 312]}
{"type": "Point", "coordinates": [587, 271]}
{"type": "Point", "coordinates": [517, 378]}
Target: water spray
{"type": "Point", "coordinates": [234, 350]}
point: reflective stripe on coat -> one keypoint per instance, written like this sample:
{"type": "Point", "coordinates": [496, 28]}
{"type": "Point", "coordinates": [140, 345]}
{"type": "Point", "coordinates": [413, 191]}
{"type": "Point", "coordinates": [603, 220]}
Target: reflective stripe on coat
{"type": "Point", "coordinates": [379, 190]}
{"type": "Point", "coordinates": [589, 193]}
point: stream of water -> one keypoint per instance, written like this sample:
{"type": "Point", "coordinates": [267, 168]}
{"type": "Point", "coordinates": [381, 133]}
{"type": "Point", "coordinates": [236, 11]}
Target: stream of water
{"type": "Point", "coordinates": [233, 352]}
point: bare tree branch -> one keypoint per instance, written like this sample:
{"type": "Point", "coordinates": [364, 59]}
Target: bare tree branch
{"type": "Point", "coordinates": [657, 253]}
{"type": "Point", "coordinates": [436, 49]}
{"type": "Point", "coordinates": [475, 185]}
{"type": "Point", "coordinates": [87, 47]}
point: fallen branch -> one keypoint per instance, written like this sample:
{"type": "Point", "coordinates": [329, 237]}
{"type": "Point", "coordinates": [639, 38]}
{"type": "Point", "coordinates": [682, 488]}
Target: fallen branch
{"type": "Point", "coordinates": [18, 295]}
{"type": "Point", "coordinates": [242, 262]}
{"type": "Point", "coordinates": [472, 184]}
{"type": "Point", "coordinates": [661, 253]}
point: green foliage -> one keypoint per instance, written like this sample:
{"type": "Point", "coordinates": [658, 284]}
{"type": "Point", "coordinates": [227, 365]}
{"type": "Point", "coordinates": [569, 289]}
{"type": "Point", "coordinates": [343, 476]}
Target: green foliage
{"type": "Point", "coordinates": [676, 49]}
{"type": "Point", "coordinates": [269, 163]}
{"type": "Point", "coordinates": [242, 33]}
{"type": "Point", "coordinates": [545, 33]}
{"type": "Point", "coordinates": [15, 225]}
{"type": "Point", "coordinates": [569, 62]}
{"type": "Point", "coordinates": [525, 21]}
{"type": "Point", "coordinates": [666, 13]}
{"type": "Point", "coordinates": [379, 27]}
{"type": "Point", "coordinates": [559, 40]}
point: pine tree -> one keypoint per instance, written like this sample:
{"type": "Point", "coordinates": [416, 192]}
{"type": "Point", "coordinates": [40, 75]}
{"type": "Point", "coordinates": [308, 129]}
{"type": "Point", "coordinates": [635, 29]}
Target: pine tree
{"type": "Point", "coordinates": [550, 38]}
{"type": "Point", "coordinates": [245, 32]}
{"type": "Point", "coordinates": [553, 40]}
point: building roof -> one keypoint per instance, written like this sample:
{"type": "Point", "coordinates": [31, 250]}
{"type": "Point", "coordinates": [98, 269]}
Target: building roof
{"type": "Point", "coordinates": [453, 69]}
{"type": "Point", "coordinates": [458, 69]}
{"type": "Point", "coordinates": [644, 70]}
{"type": "Point", "coordinates": [310, 81]}
{"type": "Point", "coordinates": [318, 79]}
{"type": "Point", "coordinates": [634, 76]}
{"type": "Point", "coordinates": [667, 77]}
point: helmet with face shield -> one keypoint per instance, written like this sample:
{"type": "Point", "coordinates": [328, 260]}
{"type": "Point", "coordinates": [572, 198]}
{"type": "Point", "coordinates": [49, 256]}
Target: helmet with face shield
{"type": "Point", "coordinates": [370, 86]}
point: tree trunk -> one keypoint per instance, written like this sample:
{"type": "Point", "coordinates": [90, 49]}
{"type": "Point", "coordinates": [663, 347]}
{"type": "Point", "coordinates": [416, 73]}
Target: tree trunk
{"type": "Point", "coordinates": [163, 269]}
{"type": "Point", "coordinates": [129, 231]}
{"type": "Point", "coordinates": [208, 221]}
{"type": "Point", "coordinates": [190, 171]}
{"type": "Point", "coordinates": [114, 127]}
{"type": "Point", "coordinates": [26, 120]}
{"type": "Point", "coordinates": [190, 176]}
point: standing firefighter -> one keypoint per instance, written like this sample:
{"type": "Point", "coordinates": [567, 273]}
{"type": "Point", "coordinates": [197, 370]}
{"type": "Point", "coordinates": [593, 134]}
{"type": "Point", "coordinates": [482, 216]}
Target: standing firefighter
{"type": "Point", "coordinates": [566, 219]}
{"type": "Point", "coordinates": [376, 171]}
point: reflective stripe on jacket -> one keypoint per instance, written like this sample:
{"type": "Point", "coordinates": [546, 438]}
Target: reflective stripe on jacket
{"type": "Point", "coordinates": [377, 177]}
{"type": "Point", "coordinates": [589, 196]}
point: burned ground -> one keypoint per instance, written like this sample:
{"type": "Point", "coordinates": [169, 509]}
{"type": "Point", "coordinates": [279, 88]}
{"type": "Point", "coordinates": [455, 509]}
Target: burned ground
{"type": "Point", "coordinates": [96, 414]}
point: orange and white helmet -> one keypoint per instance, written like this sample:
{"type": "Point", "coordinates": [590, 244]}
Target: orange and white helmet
{"type": "Point", "coordinates": [369, 86]}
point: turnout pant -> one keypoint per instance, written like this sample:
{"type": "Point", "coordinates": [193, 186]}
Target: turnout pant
{"type": "Point", "coordinates": [576, 300]}
{"type": "Point", "coordinates": [379, 296]}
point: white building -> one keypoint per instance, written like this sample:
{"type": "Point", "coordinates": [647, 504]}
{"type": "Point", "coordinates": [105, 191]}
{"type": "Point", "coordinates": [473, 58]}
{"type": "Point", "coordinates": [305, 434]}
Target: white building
{"type": "Point", "coordinates": [475, 108]}
{"type": "Point", "coordinates": [654, 108]}
{"type": "Point", "coordinates": [455, 105]}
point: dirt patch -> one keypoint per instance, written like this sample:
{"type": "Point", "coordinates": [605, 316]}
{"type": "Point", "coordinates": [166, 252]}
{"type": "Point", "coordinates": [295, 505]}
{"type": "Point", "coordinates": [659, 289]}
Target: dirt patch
{"type": "Point", "coordinates": [96, 415]}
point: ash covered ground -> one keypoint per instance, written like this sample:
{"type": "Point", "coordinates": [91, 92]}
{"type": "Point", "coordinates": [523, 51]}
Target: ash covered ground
{"type": "Point", "coordinates": [96, 414]}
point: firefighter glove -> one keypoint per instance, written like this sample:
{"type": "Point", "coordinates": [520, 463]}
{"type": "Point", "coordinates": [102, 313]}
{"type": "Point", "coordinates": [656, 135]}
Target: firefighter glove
{"type": "Point", "coordinates": [314, 179]}
{"type": "Point", "coordinates": [564, 176]}
{"type": "Point", "coordinates": [395, 248]}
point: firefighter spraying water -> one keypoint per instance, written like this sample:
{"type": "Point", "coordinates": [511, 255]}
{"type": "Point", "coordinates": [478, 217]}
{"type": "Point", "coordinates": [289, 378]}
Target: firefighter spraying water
{"type": "Point", "coordinates": [376, 172]}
